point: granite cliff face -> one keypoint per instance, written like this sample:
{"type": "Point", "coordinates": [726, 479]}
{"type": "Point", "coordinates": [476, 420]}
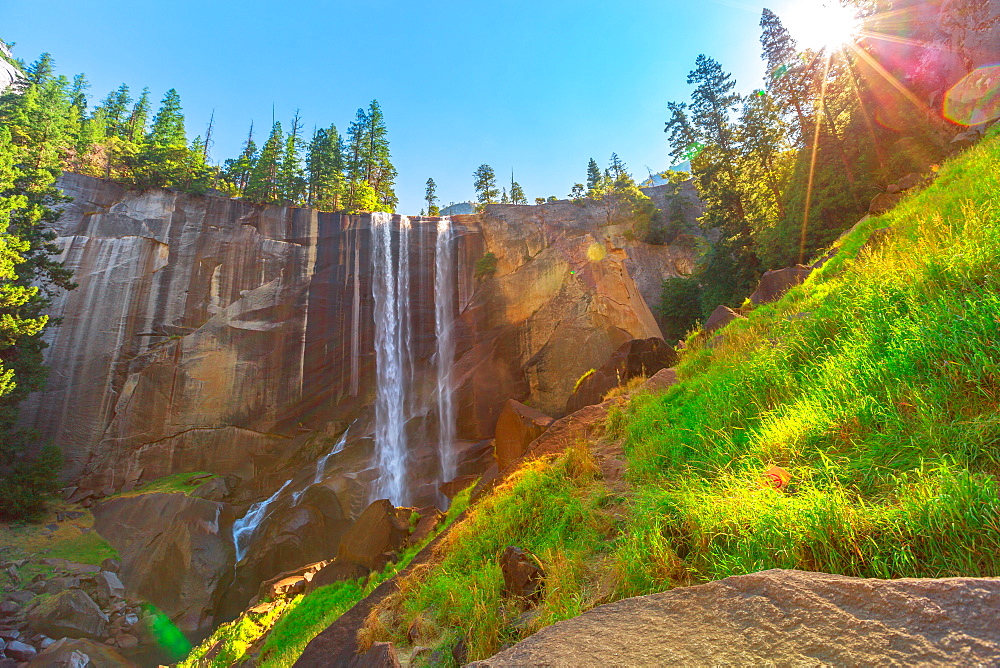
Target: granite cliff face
{"type": "Point", "coordinates": [213, 334]}
{"type": "Point", "coordinates": [209, 334]}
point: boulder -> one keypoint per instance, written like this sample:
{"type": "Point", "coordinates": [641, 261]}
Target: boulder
{"type": "Point", "coordinates": [111, 565]}
{"type": "Point", "coordinates": [20, 651]}
{"type": "Point", "coordinates": [109, 586]}
{"type": "Point", "coordinates": [73, 653]}
{"type": "Point", "coordinates": [379, 655]}
{"type": "Point", "coordinates": [9, 609]}
{"type": "Point", "coordinates": [721, 316]}
{"type": "Point", "coordinates": [71, 613]}
{"type": "Point", "coordinates": [517, 426]}
{"type": "Point", "coordinates": [661, 380]}
{"type": "Point", "coordinates": [281, 584]}
{"type": "Point", "coordinates": [884, 202]}
{"type": "Point", "coordinates": [639, 357]}
{"type": "Point", "coordinates": [780, 617]}
{"type": "Point", "coordinates": [911, 180]}
{"type": "Point", "coordinates": [775, 283]}
{"type": "Point", "coordinates": [380, 530]}
{"type": "Point", "coordinates": [176, 551]}
{"type": "Point", "coordinates": [522, 576]}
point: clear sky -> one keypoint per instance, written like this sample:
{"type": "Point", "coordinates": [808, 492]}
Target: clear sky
{"type": "Point", "coordinates": [535, 86]}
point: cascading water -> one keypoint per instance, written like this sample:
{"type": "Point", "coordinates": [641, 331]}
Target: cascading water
{"type": "Point", "coordinates": [244, 528]}
{"type": "Point", "coordinates": [390, 390]}
{"type": "Point", "coordinates": [444, 308]}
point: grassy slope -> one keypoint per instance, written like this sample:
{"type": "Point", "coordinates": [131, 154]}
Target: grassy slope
{"type": "Point", "coordinates": [875, 384]}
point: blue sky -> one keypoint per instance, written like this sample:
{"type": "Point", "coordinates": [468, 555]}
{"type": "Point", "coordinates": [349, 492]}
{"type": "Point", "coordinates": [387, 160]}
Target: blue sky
{"type": "Point", "coordinates": [538, 86]}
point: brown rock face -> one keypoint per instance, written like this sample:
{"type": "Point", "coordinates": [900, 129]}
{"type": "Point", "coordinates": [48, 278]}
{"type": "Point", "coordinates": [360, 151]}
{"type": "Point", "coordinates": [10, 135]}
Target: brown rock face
{"type": "Point", "coordinates": [379, 655]}
{"type": "Point", "coordinates": [381, 529]}
{"type": "Point", "coordinates": [635, 358]}
{"type": "Point", "coordinates": [784, 618]}
{"type": "Point", "coordinates": [517, 426]}
{"type": "Point", "coordinates": [70, 614]}
{"type": "Point", "coordinates": [775, 283]}
{"type": "Point", "coordinates": [176, 551]}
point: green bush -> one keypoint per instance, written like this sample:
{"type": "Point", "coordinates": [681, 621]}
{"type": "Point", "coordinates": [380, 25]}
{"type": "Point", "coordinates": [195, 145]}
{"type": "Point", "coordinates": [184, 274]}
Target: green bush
{"type": "Point", "coordinates": [486, 265]}
{"type": "Point", "coordinates": [680, 307]}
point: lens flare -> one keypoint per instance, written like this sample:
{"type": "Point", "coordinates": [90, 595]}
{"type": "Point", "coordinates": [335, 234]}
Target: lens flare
{"type": "Point", "coordinates": [976, 98]}
{"type": "Point", "coordinates": [822, 24]}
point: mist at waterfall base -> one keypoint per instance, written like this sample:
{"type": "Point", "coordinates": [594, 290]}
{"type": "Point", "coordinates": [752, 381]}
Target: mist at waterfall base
{"type": "Point", "coordinates": [394, 403]}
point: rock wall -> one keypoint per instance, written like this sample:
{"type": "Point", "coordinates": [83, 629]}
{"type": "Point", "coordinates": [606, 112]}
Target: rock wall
{"type": "Point", "coordinates": [212, 334]}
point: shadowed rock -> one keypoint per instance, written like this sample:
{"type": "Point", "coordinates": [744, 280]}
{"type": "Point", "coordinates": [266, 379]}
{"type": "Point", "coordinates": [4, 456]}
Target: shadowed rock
{"type": "Point", "coordinates": [522, 577]}
{"type": "Point", "coordinates": [775, 283]}
{"type": "Point", "coordinates": [382, 529]}
{"type": "Point", "coordinates": [517, 426]}
{"type": "Point", "coordinates": [784, 618]}
{"type": "Point", "coordinates": [721, 316]}
{"type": "Point", "coordinates": [640, 357]}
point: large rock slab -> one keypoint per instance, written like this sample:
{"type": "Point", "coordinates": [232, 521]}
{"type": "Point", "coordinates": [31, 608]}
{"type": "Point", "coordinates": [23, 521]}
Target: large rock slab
{"type": "Point", "coordinates": [71, 613]}
{"type": "Point", "coordinates": [176, 551]}
{"type": "Point", "coordinates": [380, 530]}
{"type": "Point", "coordinates": [784, 618]}
{"type": "Point", "coordinates": [517, 426]}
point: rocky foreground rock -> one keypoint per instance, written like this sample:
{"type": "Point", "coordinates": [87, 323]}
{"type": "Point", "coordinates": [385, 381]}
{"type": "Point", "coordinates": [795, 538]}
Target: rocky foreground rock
{"type": "Point", "coordinates": [781, 617]}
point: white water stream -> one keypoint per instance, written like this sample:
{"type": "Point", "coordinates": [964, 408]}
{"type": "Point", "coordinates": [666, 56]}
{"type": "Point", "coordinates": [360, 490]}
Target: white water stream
{"type": "Point", "coordinates": [444, 308]}
{"type": "Point", "coordinates": [244, 528]}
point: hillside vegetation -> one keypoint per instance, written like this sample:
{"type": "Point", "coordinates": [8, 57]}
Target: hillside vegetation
{"type": "Point", "coordinates": [874, 384]}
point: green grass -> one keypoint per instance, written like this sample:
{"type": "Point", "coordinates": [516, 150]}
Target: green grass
{"type": "Point", "coordinates": [291, 623]}
{"type": "Point", "coordinates": [549, 507]}
{"type": "Point", "coordinates": [169, 484]}
{"type": "Point", "coordinates": [875, 384]}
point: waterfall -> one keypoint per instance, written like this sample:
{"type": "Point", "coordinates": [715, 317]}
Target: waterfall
{"type": "Point", "coordinates": [390, 423]}
{"type": "Point", "coordinates": [403, 309]}
{"type": "Point", "coordinates": [444, 308]}
{"type": "Point", "coordinates": [244, 528]}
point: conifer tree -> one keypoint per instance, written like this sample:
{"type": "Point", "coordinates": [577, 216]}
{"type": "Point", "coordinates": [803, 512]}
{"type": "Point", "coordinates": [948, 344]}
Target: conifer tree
{"type": "Point", "coordinates": [115, 109]}
{"type": "Point", "coordinates": [430, 195]}
{"type": "Point", "coordinates": [325, 165]}
{"type": "Point", "coordinates": [516, 192]}
{"type": "Point", "coordinates": [237, 170]}
{"type": "Point", "coordinates": [291, 179]}
{"type": "Point", "coordinates": [485, 184]}
{"type": "Point", "coordinates": [787, 77]}
{"type": "Point", "coordinates": [593, 177]}
{"type": "Point", "coordinates": [163, 159]}
{"type": "Point", "coordinates": [139, 117]}
{"type": "Point", "coordinates": [262, 186]}
{"type": "Point", "coordinates": [355, 158]}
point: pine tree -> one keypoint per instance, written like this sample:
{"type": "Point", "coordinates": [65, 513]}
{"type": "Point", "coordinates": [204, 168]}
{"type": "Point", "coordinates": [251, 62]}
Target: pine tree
{"type": "Point", "coordinates": [115, 108]}
{"type": "Point", "coordinates": [516, 192]}
{"type": "Point", "coordinates": [163, 159]}
{"type": "Point", "coordinates": [262, 185]}
{"type": "Point", "coordinates": [139, 117]}
{"type": "Point", "coordinates": [325, 166]}
{"type": "Point", "coordinates": [41, 70]}
{"type": "Point", "coordinates": [787, 77]}
{"type": "Point", "coordinates": [78, 94]}
{"type": "Point", "coordinates": [379, 171]}
{"type": "Point", "coordinates": [485, 184]}
{"type": "Point", "coordinates": [354, 159]}
{"type": "Point", "coordinates": [237, 170]}
{"type": "Point", "coordinates": [430, 195]}
{"type": "Point", "coordinates": [291, 179]}
{"type": "Point", "coordinates": [593, 177]}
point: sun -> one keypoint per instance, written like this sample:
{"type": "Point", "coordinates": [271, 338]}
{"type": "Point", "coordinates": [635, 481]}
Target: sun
{"type": "Point", "coordinates": [822, 24]}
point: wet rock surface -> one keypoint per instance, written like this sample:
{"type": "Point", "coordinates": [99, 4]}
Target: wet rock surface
{"type": "Point", "coordinates": [781, 617]}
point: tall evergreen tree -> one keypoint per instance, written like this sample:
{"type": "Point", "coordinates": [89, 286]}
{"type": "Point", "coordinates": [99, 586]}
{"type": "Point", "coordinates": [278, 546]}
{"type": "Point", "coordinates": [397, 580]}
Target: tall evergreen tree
{"type": "Point", "coordinates": [485, 184]}
{"type": "Point", "coordinates": [115, 108]}
{"type": "Point", "coordinates": [593, 177]}
{"type": "Point", "coordinates": [237, 170]}
{"type": "Point", "coordinates": [139, 117]}
{"type": "Point", "coordinates": [325, 166]}
{"type": "Point", "coordinates": [430, 195]}
{"type": "Point", "coordinates": [291, 178]}
{"type": "Point", "coordinates": [788, 79]}
{"type": "Point", "coordinates": [262, 185]}
{"type": "Point", "coordinates": [516, 192]}
{"type": "Point", "coordinates": [163, 159]}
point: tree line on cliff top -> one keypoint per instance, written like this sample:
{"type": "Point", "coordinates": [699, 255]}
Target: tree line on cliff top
{"type": "Point", "coordinates": [122, 139]}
